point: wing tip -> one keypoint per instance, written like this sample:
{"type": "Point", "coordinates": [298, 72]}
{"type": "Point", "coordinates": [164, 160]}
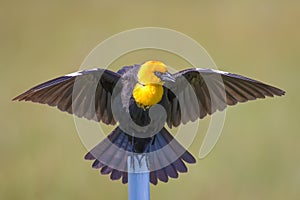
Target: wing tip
{"type": "Point", "coordinates": [17, 98]}
{"type": "Point", "coordinates": [22, 97]}
{"type": "Point", "coordinates": [281, 92]}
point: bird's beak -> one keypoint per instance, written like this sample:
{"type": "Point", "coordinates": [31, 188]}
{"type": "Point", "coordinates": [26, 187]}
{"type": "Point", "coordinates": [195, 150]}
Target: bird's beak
{"type": "Point", "coordinates": [167, 77]}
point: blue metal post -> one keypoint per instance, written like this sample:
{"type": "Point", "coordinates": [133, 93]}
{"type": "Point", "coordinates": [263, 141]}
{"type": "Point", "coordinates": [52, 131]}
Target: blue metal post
{"type": "Point", "coordinates": [138, 178]}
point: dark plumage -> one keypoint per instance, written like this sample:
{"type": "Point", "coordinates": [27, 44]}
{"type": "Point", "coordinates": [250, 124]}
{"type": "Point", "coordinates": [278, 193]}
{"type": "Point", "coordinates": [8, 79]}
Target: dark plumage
{"type": "Point", "coordinates": [106, 96]}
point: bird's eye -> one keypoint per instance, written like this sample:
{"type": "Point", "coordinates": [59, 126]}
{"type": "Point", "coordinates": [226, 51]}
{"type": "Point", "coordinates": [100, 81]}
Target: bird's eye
{"type": "Point", "coordinates": [158, 73]}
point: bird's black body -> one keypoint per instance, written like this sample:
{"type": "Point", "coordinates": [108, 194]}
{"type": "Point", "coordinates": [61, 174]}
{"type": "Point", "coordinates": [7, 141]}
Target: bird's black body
{"type": "Point", "coordinates": [139, 115]}
{"type": "Point", "coordinates": [103, 95]}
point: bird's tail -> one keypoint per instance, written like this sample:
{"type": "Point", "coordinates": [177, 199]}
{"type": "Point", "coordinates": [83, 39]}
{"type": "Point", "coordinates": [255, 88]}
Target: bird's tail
{"type": "Point", "coordinates": [165, 155]}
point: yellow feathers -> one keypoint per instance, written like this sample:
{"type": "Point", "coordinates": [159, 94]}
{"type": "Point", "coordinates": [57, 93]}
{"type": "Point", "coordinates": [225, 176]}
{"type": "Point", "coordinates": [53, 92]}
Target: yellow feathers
{"type": "Point", "coordinates": [146, 72]}
{"type": "Point", "coordinates": [147, 95]}
{"type": "Point", "coordinates": [149, 90]}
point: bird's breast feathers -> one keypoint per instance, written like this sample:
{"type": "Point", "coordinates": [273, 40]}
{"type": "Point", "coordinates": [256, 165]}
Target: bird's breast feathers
{"type": "Point", "coordinates": [147, 95]}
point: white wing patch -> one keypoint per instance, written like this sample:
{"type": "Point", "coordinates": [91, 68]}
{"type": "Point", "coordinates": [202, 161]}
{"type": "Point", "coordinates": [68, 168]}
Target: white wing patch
{"type": "Point", "coordinates": [212, 70]}
{"type": "Point", "coordinates": [81, 72]}
{"type": "Point", "coordinates": [74, 74]}
{"type": "Point", "coordinates": [219, 71]}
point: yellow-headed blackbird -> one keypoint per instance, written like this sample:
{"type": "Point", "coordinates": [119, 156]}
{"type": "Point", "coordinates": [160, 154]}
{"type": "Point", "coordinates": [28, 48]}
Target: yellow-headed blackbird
{"type": "Point", "coordinates": [103, 95]}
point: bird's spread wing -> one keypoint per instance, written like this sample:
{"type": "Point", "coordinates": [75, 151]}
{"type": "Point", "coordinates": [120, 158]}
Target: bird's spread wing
{"type": "Point", "coordinates": [85, 93]}
{"type": "Point", "coordinates": [198, 92]}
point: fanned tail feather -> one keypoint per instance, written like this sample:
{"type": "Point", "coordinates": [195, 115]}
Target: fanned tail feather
{"type": "Point", "coordinates": [166, 157]}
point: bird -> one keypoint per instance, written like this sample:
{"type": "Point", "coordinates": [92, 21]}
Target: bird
{"type": "Point", "coordinates": [143, 99]}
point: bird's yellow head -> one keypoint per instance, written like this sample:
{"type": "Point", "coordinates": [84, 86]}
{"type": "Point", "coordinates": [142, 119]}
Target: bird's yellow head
{"type": "Point", "coordinates": [151, 76]}
{"type": "Point", "coordinates": [154, 72]}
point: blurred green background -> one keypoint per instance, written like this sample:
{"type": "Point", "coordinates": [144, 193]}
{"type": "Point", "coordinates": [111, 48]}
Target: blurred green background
{"type": "Point", "coordinates": [257, 156]}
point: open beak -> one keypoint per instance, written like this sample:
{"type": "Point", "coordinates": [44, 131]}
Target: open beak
{"type": "Point", "coordinates": [167, 77]}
